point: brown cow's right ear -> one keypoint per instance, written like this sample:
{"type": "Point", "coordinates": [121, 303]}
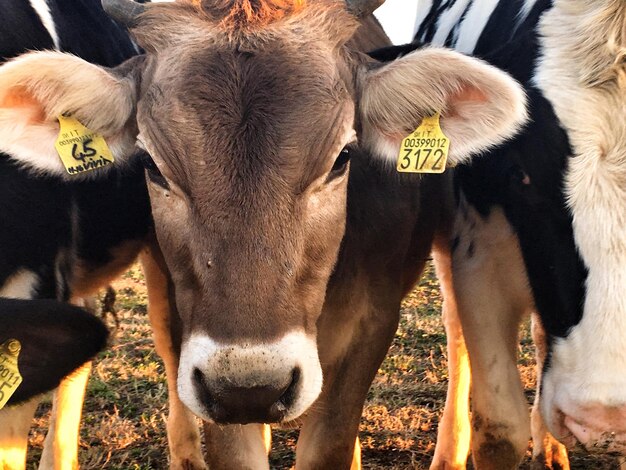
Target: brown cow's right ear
{"type": "Point", "coordinates": [480, 105]}
{"type": "Point", "coordinates": [36, 88]}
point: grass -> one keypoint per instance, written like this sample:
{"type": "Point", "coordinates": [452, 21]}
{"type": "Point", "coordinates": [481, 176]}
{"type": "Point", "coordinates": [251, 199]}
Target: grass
{"type": "Point", "coordinates": [126, 406]}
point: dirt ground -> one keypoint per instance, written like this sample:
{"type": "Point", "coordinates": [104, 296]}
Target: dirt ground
{"type": "Point", "coordinates": [126, 407]}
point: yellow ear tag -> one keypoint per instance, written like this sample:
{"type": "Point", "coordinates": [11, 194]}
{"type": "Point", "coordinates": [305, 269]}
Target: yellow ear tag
{"type": "Point", "coordinates": [425, 150]}
{"type": "Point", "coordinates": [81, 149]}
{"type": "Point", "coordinates": [10, 378]}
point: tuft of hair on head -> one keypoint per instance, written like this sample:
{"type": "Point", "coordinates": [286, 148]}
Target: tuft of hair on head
{"type": "Point", "coordinates": [248, 13]}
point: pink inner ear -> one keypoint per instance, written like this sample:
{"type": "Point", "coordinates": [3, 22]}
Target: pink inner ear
{"type": "Point", "coordinates": [30, 108]}
{"type": "Point", "coordinates": [469, 93]}
{"type": "Point", "coordinates": [466, 95]}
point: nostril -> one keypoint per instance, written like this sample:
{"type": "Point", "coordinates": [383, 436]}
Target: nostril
{"type": "Point", "coordinates": [202, 387]}
{"type": "Point", "coordinates": [198, 376]}
{"type": "Point", "coordinates": [227, 403]}
{"type": "Point", "coordinates": [289, 395]}
{"type": "Point", "coordinates": [278, 409]}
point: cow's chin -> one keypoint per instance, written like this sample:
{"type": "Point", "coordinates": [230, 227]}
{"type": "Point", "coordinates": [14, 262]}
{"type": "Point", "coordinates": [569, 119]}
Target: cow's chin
{"type": "Point", "coordinates": [273, 382]}
{"type": "Point", "coordinates": [575, 416]}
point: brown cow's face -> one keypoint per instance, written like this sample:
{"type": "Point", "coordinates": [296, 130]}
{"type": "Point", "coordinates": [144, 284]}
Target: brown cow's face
{"type": "Point", "coordinates": [248, 190]}
{"type": "Point", "coordinates": [246, 112]}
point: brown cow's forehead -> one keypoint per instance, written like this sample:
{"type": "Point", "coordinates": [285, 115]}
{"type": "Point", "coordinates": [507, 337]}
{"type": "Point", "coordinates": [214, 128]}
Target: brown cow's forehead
{"type": "Point", "coordinates": [225, 111]}
{"type": "Point", "coordinates": [295, 21]}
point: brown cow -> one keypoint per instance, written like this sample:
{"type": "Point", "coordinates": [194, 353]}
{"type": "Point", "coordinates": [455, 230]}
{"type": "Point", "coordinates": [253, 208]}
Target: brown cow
{"type": "Point", "coordinates": [281, 276]}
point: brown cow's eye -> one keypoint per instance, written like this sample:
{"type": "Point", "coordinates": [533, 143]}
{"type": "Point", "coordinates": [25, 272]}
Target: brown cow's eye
{"type": "Point", "coordinates": [341, 164]}
{"type": "Point", "coordinates": [153, 171]}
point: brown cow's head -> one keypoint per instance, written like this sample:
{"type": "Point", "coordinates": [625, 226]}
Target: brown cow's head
{"type": "Point", "coordinates": [250, 110]}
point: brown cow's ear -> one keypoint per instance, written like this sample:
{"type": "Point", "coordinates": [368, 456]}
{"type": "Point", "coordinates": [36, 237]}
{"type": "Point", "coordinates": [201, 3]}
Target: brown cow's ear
{"type": "Point", "coordinates": [480, 105]}
{"type": "Point", "coordinates": [36, 88]}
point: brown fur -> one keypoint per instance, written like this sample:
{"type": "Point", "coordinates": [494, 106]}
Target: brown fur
{"type": "Point", "coordinates": [248, 13]}
{"type": "Point", "coordinates": [189, 23]}
{"type": "Point", "coordinates": [236, 124]}
{"type": "Point", "coordinates": [261, 209]}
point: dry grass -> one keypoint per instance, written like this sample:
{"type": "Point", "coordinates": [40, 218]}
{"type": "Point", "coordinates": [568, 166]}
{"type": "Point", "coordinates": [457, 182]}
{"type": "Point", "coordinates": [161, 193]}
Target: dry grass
{"type": "Point", "coordinates": [124, 420]}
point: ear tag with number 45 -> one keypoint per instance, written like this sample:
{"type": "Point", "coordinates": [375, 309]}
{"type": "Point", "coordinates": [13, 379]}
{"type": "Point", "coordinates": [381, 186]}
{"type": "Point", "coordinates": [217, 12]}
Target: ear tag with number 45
{"type": "Point", "coordinates": [80, 148]}
{"type": "Point", "coordinates": [425, 150]}
{"type": "Point", "coordinates": [10, 378]}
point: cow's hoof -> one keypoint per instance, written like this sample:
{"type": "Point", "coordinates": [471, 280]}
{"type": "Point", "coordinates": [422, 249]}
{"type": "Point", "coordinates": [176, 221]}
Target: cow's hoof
{"type": "Point", "coordinates": [188, 464]}
{"type": "Point", "coordinates": [552, 456]}
{"type": "Point", "coordinates": [555, 460]}
{"type": "Point", "coordinates": [496, 454]}
{"type": "Point", "coordinates": [442, 464]}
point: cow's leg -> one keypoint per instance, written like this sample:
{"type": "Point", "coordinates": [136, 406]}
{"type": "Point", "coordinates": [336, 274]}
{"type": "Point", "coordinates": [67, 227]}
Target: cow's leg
{"type": "Point", "coordinates": [352, 342]}
{"type": "Point", "coordinates": [492, 295]}
{"type": "Point", "coordinates": [242, 447]}
{"type": "Point", "coordinates": [548, 453]}
{"type": "Point", "coordinates": [183, 433]}
{"type": "Point", "coordinates": [15, 423]}
{"type": "Point", "coordinates": [454, 432]}
{"type": "Point", "coordinates": [60, 450]}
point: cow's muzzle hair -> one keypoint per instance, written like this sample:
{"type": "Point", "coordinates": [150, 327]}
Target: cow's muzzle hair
{"type": "Point", "coordinates": [249, 382]}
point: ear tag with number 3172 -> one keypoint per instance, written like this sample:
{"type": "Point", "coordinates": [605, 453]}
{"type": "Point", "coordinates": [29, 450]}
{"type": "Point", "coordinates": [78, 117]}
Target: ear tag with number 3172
{"type": "Point", "coordinates": [10, 378]}
{"type": "Point", "coordinates": [426, 149]}
{"type": "Point", "coordinates": [80, 148]}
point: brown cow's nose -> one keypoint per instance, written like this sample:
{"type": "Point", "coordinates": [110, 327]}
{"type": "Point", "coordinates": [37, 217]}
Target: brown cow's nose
{"type": "Point", "coordinates": [228, 403]}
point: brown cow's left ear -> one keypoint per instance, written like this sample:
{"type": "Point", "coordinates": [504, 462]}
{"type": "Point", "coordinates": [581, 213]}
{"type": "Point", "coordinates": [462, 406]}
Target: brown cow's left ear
{"type": "Point", "coordinates": [480, 105]}
{"type": "Point", "coordinates": [36, 88]}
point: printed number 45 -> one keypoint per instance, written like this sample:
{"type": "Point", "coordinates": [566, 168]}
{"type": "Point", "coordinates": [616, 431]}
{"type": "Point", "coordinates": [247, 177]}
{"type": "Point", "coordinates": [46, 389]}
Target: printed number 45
{"type": "Point", "coordinates": [86, 152]}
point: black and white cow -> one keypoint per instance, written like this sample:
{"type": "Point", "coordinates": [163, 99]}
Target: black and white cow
{"type": "Point", "coordinates": [547, 211]}
{"type": "Point", "coordinates": [58, 240]}
{"type": "Point", "coordinates": [271, 233]}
